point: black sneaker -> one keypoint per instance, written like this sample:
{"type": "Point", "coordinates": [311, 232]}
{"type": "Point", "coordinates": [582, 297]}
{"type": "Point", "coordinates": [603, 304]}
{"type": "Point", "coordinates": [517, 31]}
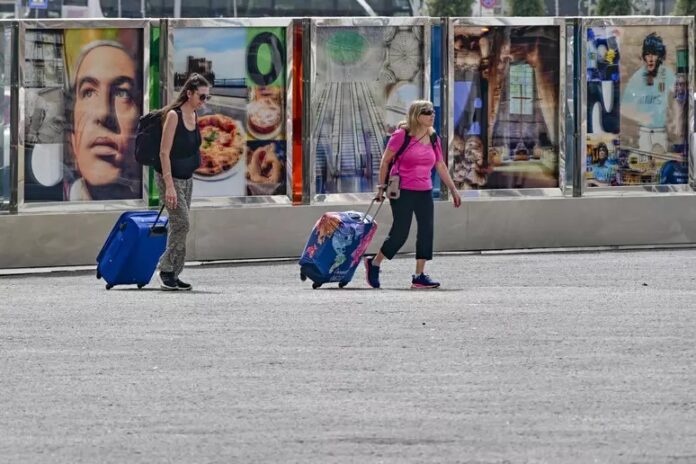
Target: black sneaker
{"type": "Point", "coordinates": [183, 285]}
{"type": "Point", "coordinates": [371, 273]}
{"type": "Point", "coordinates": [168, 282]}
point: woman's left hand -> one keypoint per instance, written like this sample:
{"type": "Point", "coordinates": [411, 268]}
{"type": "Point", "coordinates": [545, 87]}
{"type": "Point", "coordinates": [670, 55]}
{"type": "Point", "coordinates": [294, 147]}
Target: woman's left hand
{"type": "Point", "coordinates": [456, 199]}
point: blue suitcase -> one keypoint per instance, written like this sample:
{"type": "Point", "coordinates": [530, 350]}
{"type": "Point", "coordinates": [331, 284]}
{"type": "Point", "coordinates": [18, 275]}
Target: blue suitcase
{"type": "Point", "coordinates": [336, 246]}
{"type": "Point", "coordinates": [133, 249]}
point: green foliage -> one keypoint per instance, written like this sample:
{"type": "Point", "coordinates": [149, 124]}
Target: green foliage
{"type": "Point", "coordinates": [614, 7]}
{"type": "Point", "coordinates": [685, 8]}
{"type": "Point", "coordinates": [449, 8]}
{"type": "Point", "coordinates": [528, 8]}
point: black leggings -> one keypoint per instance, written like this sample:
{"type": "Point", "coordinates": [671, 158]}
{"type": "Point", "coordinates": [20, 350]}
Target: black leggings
{"type": "Point", "coordinates": [410, 202]}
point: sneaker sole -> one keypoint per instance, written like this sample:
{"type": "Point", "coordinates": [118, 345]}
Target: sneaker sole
{"type": "Point", "coordinates": [185, 289]}
{"type": "Point", "coordinates": [367, 275]}
{"type": "Point", "coordinates": [421, 286]}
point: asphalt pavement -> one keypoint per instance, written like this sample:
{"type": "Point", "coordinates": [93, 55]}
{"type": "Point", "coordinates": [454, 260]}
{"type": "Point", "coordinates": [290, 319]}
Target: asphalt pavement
{"type": "Point", "coordinates": [518, 358]}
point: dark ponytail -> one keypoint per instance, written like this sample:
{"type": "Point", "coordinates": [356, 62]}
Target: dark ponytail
{"type": "Point", "coordinates": [194, 81]}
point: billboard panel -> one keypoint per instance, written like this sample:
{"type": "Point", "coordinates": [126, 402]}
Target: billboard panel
{"type": "Point", "coordinates": [244, 121]}
{"type": "Point", "coordinates": [505, 107]}
{"type": "Point", "coordinates": [364, 81]}
{"type": "Point", "coordinates": [84, 96]}
{"type": "Point", "coordinates": [637, 105]}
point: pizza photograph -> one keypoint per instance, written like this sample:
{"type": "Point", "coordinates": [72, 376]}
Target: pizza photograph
{"type": "Point", "coordinates": [223, 144]}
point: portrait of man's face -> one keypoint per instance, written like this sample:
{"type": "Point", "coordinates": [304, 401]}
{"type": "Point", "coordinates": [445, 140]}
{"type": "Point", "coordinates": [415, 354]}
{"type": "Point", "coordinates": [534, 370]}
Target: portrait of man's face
{"type": "Point", "coordinates": [105, 114]}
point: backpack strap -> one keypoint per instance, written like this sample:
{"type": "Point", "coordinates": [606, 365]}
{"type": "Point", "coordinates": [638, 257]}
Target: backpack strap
{"type": "Point", "coordinates": [400, 151]}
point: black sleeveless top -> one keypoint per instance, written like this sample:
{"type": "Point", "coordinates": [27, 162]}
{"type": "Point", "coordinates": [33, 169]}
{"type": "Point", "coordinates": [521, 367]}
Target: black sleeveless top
{"type": "Point", "coordinates": [185, 155]}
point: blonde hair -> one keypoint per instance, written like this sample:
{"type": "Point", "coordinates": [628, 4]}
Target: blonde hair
{"type": "Point", "coordinates": [414, 111]}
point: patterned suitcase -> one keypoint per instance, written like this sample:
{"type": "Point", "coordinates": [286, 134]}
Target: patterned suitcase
{"type": "Point", "coordinates": [133, 249]}
{"type": "Point", "coordinates": [336, 245]}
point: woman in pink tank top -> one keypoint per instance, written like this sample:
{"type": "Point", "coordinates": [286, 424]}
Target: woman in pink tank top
{"type": "Point", "coordinates": [419, 151]}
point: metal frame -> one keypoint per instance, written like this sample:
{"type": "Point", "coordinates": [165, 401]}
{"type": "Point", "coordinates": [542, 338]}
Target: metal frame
{"type": "Point", "coordinates": [574, 108]}
{"type": "Point", "coordinates": [62, 24]}
{"type": "Point", "coordinates": [316, 23]}
{"type": "Point", "coordinates": [307, 60]}
{"type": "Point", "coordinates": [510, 22]}
{"type": "Point", "coordinates": [11, 204]}
{"type": "Point", "coordinates": [170, 26]}
{"type": "Point", "coordinates": [682, 21]}
{"type": "Point", "coordinates": [444, 97]}
{"type": "Point", "coordinates": [566, 122]}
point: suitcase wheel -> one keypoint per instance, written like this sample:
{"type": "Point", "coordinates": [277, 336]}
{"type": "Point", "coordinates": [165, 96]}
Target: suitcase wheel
{"type": "Point", "coordinates": [342, 284]}
{"type": "Point", "coordinates": [303, 277]}
{"type": "Point", "coordinates": [109, 286]}
{"type": "Point", "coordinates": [99, 276]}
{"type": "Point", "coordinates": [315, 285]}
{"type": "Point", "coordinates": [141, 285]}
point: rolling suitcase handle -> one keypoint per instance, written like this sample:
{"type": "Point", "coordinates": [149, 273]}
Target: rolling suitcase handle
{"type": "Point", "coordinates": [158, 230]}
{"type": "Point", "coordinates": [372, 203]}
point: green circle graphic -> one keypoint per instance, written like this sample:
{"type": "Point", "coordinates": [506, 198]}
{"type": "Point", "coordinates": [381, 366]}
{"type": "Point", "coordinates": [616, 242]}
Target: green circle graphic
{"type": "Point", "coordinates": [347, 47]}
{"type": "Point", "coordinates": [265, 59]}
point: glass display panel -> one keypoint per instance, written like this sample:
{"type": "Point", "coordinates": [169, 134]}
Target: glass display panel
{"type": "Point", "coordinates": [637, 106]}
{"type": "Point", "coordinates": [83, 99]}
{"type": "Point", "coordinates": [365, 79]}
{"type": "Point", "coordinates": [243, 149]}
{"type": "Point", "coordinates": [505, 107]}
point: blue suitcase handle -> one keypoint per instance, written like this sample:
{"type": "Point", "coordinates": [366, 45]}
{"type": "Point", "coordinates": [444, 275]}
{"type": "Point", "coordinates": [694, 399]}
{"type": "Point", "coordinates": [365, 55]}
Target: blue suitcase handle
{"type": "Point", "coordinates": [155, 229]}
{"type": "Point", "coordinates": [158, 230]}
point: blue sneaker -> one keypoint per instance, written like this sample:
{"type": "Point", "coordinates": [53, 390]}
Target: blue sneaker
{"type": "Point", "coordinates": [423, 281]}
{"type": "Point", "coordinates": [371, 273]}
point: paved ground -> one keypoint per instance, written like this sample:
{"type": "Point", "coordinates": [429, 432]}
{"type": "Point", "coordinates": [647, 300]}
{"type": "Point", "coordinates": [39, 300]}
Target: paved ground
{"type": "Point", "coordinates": [553, 358]}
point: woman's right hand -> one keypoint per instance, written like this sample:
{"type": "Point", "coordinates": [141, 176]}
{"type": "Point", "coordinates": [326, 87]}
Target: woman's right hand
{"type": "Point", "coordinates": [170, 196]}
{"type": "Point", "coordinates": [379, 196]}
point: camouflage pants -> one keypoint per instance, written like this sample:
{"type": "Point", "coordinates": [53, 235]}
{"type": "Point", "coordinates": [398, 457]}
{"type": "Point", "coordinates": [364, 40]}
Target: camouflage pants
{"type": "Point", "coordinates": [174, 256]}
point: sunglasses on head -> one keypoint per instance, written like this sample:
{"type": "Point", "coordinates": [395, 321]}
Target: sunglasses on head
{"type": "Point", "coordinates": [427, 112]}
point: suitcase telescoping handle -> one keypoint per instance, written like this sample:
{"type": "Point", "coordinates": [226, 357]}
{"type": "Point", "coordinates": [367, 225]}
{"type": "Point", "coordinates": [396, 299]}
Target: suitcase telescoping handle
{"type": "Point", "coordinates": [372, 203]}
{"type": "Point", "coordinates": [155, 229]}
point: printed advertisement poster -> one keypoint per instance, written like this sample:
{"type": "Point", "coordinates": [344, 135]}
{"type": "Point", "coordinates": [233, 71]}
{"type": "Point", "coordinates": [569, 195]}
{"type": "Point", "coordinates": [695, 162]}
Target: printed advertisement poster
{"type": "Point", "coordinates": [506, 91]}
{"type": "Point", "coordinates": [83, 101]}
{"type": "Point", "coordinates": [637, 105]}
{"type": "Point", "coordinates": [243, 124]}
{"type": "Point", "coordinates": [366, 77]}
{"type": "Point", "coordinates": [5, 61]}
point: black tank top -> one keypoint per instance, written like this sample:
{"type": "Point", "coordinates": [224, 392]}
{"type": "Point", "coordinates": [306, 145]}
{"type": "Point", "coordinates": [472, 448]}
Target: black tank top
{"type": "Point", "coordinates": [185, 154]}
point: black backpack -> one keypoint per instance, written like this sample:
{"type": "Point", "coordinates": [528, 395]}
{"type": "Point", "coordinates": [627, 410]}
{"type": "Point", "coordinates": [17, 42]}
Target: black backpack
{"type": "Point", "coordinates": [148, 138]}
{"type": "Point", "coordinates": [404, 146]}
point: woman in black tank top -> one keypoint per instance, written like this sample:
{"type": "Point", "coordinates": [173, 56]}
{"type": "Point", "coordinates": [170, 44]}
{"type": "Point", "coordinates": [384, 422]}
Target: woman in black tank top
{"type": "Point", "coordinates": [179, 156]}
{"type": "Point", "coordinates": [185, 155]}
